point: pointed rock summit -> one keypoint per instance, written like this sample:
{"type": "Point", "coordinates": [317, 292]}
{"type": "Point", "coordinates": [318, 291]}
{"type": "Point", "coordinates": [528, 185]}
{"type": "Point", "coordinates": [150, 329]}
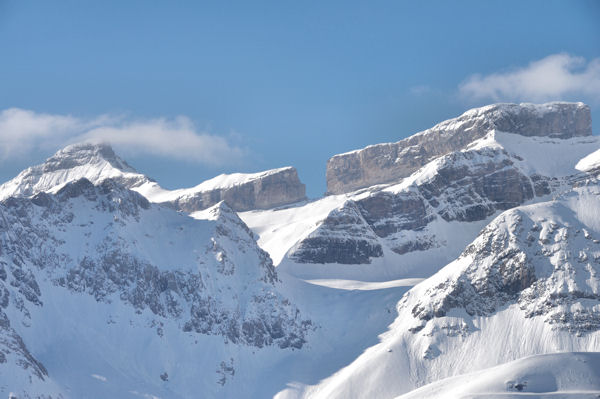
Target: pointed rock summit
{"type": "Point", "coordinates": [94, 162]}
{"type": "Point", "coordinates": [85, 153]}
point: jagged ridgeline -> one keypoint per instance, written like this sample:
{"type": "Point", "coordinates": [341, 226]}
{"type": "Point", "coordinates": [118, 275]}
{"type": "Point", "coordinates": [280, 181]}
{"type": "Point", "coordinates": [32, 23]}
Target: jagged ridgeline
{"type": "Point", "coordinates": [112, 285]}
{"type": "Point", "coordinates": [143, 269]}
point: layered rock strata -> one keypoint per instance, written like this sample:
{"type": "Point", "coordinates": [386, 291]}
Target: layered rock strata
{"type": "Point", "coordinates": [390, 162]}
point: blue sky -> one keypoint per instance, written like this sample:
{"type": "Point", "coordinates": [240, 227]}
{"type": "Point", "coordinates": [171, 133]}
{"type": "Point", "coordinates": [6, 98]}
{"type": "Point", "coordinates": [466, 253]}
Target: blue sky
{"type": "Point", "coordinates": [188, 90]}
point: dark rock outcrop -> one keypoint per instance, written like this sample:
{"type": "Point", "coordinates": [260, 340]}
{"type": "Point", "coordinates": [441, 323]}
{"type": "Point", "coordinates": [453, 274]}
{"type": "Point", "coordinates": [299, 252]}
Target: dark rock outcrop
{"type": "Point", "coordinates": [343, 237]}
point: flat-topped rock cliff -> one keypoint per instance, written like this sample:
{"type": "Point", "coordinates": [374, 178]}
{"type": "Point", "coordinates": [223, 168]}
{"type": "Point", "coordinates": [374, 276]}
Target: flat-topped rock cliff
{"type": "Point", "coordinates": [391, 162]}
{"type": "Point", "coordinates": [241, 191]}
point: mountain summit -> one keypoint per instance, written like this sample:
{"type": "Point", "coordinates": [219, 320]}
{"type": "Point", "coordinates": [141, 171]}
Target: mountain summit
{"type": "Point", "coordinates": [389, 162]}
{"type": "Point", "coordinates": [98, 162]}
{"type": "Point", "coordinates": [484, 259]}
{"type": "Point", "coordinates": [95, 162]}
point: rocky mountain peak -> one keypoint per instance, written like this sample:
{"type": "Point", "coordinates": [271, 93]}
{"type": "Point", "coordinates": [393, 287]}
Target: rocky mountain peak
{"type": "Point", "coordinates": [94, 162]}
{"type": "Point", "coordinates": [85, 153]}
{"type": "Point", "coordinates": [555, 119]}
{"type": "Point", "coordinates": [97, 162]}
{"type": "Point", "coordinates": [391, 162]}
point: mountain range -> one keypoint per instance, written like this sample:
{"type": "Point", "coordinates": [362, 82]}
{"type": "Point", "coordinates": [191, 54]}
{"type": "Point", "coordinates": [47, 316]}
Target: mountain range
{"type": "Point", "coordinates": [462, 261]}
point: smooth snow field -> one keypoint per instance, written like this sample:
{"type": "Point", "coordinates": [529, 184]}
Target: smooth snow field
{"type": "Point", "coordinates": [569, 375]}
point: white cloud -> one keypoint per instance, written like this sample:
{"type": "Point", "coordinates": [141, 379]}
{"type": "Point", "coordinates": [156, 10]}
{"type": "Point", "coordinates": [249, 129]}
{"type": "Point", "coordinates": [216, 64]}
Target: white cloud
{"type": "Point", "coordinates": [556, 77]}
{"type": "Point", "coordinates": [420, 90]}
{"type": "Point", "coordinates": [22, 131]}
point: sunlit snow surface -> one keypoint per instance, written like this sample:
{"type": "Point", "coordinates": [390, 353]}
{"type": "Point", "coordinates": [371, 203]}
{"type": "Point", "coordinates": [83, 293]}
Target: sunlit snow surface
{"type": "Point", "coordinates": [557, 313]}
{"type": "Point", "coordinates": [574, 375]}
{"type": "Point", "coordinates": [109, 349]}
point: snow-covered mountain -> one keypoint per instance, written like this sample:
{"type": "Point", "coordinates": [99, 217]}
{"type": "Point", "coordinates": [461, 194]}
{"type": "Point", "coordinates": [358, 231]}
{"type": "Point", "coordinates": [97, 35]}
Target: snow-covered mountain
{"type": "Point", "coordinates": [99, 265]}
{"type": "Point", "coordinates": [527, 285]}
{"type": "Point", "coordinates": [111, 286]}
{"type": "Point", "coordinates": [98, 162]}
{"type": "Point", "coordinates": [416, 226]}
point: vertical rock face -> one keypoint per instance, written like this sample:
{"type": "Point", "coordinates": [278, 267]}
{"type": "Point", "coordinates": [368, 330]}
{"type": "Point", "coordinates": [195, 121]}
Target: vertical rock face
{"type": "Point", "coordinates": [343, 237]}
{"type": "Point", "coordinates": [389, 162]}
{"type": "Point", "coordinates": [467, 186]}
{"type": "Point", "coordinates": [250, 191]}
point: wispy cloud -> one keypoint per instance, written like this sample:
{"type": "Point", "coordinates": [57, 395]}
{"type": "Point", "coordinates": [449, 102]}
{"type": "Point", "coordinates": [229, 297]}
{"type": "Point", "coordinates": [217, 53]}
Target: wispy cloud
{"type": "Point", "coordinates": [555, 77]}
{"type": "Point", "coordinates": [420, 90]}
{"type": "Point", "coordinates": [22, 131]}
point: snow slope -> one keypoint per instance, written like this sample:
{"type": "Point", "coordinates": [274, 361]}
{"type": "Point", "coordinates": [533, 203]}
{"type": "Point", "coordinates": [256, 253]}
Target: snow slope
{"type": "Point", "coordinates": [568, 375]}
{"type": "Point", "coordinates": [590, 162]}
{"type": "Point", "coordinates": [545, 156]}
{"type": "Point", "coordinates": [527, 285]}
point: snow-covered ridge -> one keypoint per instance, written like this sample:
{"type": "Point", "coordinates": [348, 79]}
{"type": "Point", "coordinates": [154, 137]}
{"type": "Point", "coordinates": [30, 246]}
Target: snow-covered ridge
{"type": "Point", "coordinates": [153, 274]}
{"type": "Point", "coordinates": [590, 162]}
{"type": "Point", "coordinates": [528, 285]}
{"type": "Point", "coordinates": [242, 191]}
{"type": "Point", "coordinates": [390, 162]}
{"type": "Point", "coordinates": [220, 182]}
{"type": "Point", "coordinates": [97, 162]}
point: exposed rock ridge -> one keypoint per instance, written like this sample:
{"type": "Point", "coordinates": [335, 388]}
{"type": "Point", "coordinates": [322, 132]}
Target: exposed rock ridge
{"type": "Point", "coordinates": [390, 162]}
{"type": "Point", "coordinates": [541, 257]}
{"type": "Point", "coordinates": [463, 186]}
{"type": "Point", "coordinates": [343, 237]}
{"type": "Point", "coordinates": [268, 190]}
{"type": "Point", "coordinates": [35, 238]}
